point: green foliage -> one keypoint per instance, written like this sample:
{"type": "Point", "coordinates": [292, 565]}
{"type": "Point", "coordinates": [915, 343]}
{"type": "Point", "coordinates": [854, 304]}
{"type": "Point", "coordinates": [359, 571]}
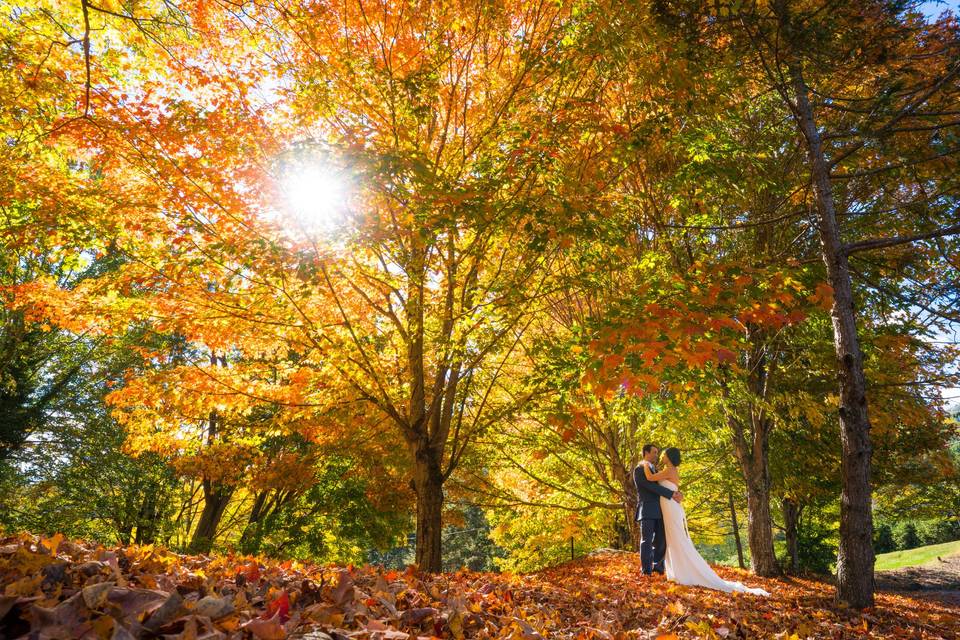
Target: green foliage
{"type": "Point", "coordinates": [469, 545]}
{"type": "Point", "coordinates": [816, 549]}
{"type": "Point", "coordinates": [333, 521]}
{"type": "Point", "coordinates": [906, 536]}
{"type": "Point", "coordinates": [939, 531]}
{"type": "Point", "coordinates": [883, 541]}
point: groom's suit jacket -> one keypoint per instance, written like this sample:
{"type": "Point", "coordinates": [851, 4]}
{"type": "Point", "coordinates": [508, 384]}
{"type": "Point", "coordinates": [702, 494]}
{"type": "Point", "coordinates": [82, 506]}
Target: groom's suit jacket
{"type": "Point", "coordinates": [648, 495]}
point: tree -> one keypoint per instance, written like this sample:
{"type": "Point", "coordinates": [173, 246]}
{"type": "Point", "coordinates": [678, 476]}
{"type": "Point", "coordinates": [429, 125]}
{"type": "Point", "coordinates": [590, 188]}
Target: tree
{"type": "Point", "coordinates": [453, 147]}
{"type": "Point", "coordinates": [631, 208]}
{"type": "Point", "coordinates": [826, 50]}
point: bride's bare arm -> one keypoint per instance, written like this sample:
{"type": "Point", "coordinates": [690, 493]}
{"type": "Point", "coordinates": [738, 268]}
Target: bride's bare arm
{"type": "Point", "coordinates": [653, 477]}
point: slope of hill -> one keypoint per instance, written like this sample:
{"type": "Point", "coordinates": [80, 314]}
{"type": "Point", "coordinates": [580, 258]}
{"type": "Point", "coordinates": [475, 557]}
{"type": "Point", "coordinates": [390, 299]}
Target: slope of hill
{"type": "Point", "coordinates": [917, 557]}
{"type": "Point", "coordinates": [60, 589]}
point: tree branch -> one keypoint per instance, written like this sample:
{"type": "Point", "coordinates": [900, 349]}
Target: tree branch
{"type": "Point", "coordinates": [880, 243]}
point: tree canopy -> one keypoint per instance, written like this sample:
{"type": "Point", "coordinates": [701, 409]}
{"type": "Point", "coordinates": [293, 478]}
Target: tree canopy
{"type": "Point", "coordinates": [305, 278]}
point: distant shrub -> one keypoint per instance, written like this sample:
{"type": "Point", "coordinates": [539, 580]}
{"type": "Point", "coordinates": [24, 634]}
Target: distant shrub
{"type": "Point", "coordinates": [907, 537]}
{"type": "Point", "coordinates": [938, 531]}
{"type": "Point", "coordinates": [883, 541]}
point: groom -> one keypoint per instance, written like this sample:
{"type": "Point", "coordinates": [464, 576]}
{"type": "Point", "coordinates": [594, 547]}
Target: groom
{"type": "Point", "coordinates": [653, 543]}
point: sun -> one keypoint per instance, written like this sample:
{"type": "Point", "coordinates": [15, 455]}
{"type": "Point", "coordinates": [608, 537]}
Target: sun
{"type": "Point", "coordinates": [316, 195]}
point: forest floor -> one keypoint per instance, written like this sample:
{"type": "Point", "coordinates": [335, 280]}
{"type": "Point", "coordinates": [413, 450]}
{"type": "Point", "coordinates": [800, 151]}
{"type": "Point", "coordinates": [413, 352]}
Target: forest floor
{"type": "Point", "coordinates": [53, 588]}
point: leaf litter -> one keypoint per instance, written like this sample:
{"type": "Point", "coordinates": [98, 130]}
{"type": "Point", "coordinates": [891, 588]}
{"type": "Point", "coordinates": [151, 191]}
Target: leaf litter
{"type": "Point", "coordinates": [52, 589]}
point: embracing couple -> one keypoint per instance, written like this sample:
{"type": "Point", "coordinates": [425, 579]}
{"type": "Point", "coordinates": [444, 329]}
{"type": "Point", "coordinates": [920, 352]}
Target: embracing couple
{"type": "Point", "coordinates": [665, 544]}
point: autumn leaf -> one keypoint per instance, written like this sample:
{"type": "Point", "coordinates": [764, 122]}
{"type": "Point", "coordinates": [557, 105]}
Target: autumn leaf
{"type": "Point", "coordinates": [271, 629]}
{"type": "Point", "coordinates": [823, 296]}
{"type": "Point", "coordinates": [52, 544]}
{"type": "Point", "coordinates": [279, 607]}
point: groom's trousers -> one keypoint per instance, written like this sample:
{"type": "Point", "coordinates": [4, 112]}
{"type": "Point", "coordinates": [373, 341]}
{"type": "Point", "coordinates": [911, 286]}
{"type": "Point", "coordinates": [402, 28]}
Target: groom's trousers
{"type": "Point", "coordinates": [653, 545]}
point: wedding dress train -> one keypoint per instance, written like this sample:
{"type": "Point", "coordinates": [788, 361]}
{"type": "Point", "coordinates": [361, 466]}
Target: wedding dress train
{"type": "Point", "coordinates": [683, 563]}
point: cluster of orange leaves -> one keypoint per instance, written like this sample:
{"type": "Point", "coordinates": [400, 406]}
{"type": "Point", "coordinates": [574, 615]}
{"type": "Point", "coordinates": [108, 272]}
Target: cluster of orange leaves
{"type": "Point", "coordinates": [699, 328]}
{"type": "Point", "coordinates": [54, 588]}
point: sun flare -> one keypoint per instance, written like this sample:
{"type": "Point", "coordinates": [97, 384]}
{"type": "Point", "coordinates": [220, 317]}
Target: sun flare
{"type": "Point", "coordinates": [316, 195]}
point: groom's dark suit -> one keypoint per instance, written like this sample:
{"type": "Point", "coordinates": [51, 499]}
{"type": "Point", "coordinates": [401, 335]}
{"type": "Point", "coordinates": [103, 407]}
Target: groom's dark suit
{"type": "Point", "coordinates": [653, 542]}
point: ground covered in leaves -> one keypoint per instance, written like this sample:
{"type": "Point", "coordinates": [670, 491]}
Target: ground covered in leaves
{"type": "Point", "coordinates": [53, 588]}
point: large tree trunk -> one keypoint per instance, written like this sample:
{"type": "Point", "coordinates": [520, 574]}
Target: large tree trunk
{"type": "Point", "coordinates": [791, 520]}
{"type": "Point", "coordinates": [428, 485]}
{"type": "Point", "coordinates": [736, 531]}
{"type": "Point", "coordinates": [428, 478]}
{"type": "Point", "coordinates": [623, 475]}
{"type": "Point", "coordinates": [215, 499]}
{"type": "Point", "coordinates": [763, 560]}
{"type": "Point", "coordinates": [633, 527]}
{"type": "Point", "coordinates": [216, 496]}
{"type": "Point", "coordinates": [855, 580]}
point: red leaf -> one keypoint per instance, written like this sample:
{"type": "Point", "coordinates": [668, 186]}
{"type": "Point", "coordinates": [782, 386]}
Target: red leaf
{"type": "Point", "coordinates": [725, 355]}
{"type": "Point", "coordinates": [280, 606]}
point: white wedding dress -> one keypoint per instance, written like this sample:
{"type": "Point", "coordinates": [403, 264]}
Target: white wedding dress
{"type": "Point", "coordinates": [683, 562]}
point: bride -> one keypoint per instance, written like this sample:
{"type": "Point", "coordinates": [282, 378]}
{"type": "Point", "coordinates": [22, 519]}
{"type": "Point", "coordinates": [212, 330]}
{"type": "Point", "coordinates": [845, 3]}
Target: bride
{"type": "Point", "coordinates": [683, 562]}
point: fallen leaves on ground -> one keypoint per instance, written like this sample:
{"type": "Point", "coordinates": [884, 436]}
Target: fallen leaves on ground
{"type": "Point", "coordinates": [54, 588]}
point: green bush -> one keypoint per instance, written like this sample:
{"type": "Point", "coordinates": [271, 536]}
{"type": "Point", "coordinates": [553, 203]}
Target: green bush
{"type": "Point", "coordinates": [815, 550]}
{"type": "Point", "coordinates": [907, 537]}
{"type": "Point", "coordinates": [938, 531]}
{"type": "Point", "coordinates": [883, 541]}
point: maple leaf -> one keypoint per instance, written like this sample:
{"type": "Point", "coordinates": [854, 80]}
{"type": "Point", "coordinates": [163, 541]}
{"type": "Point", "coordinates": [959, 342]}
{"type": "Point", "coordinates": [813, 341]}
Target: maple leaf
{"type": "Point", "coordinates": [279, 606]}
{"type": "Point", "coordinates": [823, 296]}
{"type": "Point", "coordinates": [52, 544]}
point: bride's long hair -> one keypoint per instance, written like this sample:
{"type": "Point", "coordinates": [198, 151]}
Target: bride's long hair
{"type": "Point", "coordinates": [673, 455]}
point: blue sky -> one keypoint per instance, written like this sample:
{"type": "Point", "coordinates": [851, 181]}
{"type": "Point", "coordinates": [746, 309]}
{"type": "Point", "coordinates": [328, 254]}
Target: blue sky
{"type": "Point", "coordinates": [933, 9]}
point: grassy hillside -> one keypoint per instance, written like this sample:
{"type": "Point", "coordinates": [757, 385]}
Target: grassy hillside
{"type": "Point", "coordinates": [916, 557]}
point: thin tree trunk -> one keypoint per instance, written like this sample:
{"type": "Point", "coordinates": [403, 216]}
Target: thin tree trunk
{"type": "Point", "coordinates": [751, 445]}
{"type": "Point", "coordinates": [756, 474]}
{"type": "Point", "coordinates": [253, 521]}
{"type": "Point", "coordinates": [791, 516]}
{"type": "Point", "coordinates": [855, 578]}
{"type": "Point", "coordinates": [147, 519]}
{"type": "Point", "coordinates": [216, 494]}
{"type": "Point", "coordinates": [755, 465]}
{"type": "Point", "coordinates": [736, 531]}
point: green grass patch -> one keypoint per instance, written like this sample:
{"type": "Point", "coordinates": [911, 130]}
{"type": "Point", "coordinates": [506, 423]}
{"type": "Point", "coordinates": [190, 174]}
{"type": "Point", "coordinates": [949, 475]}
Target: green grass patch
{"type": "Point", "coordinates": [916, 557]}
